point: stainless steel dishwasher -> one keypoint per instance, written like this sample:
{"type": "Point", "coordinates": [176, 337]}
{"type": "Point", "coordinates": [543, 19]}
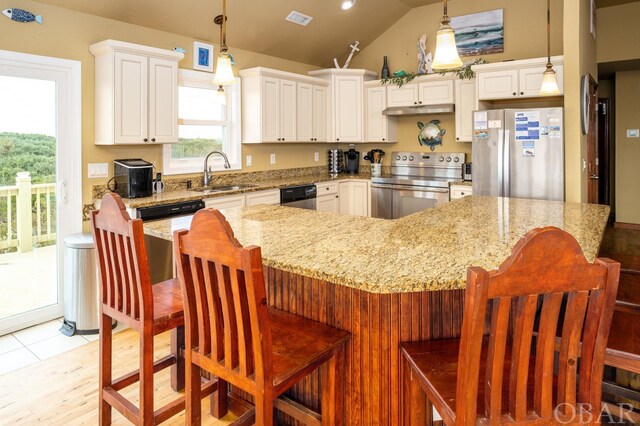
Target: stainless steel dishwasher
{"type": "Point", "coordinates": [303, 197]}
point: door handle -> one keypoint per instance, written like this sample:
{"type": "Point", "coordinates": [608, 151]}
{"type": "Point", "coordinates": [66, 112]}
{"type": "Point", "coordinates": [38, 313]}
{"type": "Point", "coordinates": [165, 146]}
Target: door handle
{"type": "Point", "coordinates": [64, 191]}
{"type": "Point", "coordinates": [594, 177]}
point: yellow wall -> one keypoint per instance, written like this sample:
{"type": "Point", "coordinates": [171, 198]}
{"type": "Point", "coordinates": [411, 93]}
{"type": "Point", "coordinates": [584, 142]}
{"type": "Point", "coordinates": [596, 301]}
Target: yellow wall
{"type": "Point", "coordinates": [618, 33]}
{"type": "Point", "coordinates": [627, 150]}
{"type": "Point", "coordinates": [67, 34]}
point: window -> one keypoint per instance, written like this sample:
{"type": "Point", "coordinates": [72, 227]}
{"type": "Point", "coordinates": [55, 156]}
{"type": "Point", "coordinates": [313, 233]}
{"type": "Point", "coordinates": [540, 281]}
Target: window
{"type": "Point", "coordinates": [205, 125]}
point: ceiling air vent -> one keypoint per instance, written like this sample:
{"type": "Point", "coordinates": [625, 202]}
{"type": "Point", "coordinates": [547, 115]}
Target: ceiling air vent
{"type": "Point", "coordinates": [298, 18]}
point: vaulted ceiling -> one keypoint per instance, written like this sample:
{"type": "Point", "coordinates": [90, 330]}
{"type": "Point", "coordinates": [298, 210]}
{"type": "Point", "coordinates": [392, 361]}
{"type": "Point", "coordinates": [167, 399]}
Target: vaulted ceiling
{"type": "Point", "coordinates": [259, 25]}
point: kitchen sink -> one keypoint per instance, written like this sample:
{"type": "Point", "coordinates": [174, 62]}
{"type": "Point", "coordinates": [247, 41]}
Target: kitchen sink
{"type": "Point", "coordinates": [225, 188]}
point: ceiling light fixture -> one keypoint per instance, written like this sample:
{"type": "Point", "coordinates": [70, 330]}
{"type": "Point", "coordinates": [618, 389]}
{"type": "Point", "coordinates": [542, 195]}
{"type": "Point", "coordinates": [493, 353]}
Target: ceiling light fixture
{"type": "Point", "coordinates": [224, 71]}
{"type": "Point", "coordinates": [549, 81]}
{"type": "Point", "coordinates": [298, 18]}
{"type": "Point", "coordinates": [446, 56]}
{"type": "Point", "coordinates": [347, 4]}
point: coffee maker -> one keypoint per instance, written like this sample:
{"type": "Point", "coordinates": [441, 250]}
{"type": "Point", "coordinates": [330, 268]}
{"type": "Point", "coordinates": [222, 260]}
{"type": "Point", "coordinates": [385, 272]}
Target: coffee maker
{"type": "Point", "coordinates": [352, 160]}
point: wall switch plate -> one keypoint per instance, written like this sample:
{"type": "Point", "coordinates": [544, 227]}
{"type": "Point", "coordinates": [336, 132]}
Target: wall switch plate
{"type": "Point", "coordinates": [272, 158]}
{"type": "Point", "coordinates": [98, 170]}
{"type": "Point", "coordinates": [633, 133]}
{"type": "Point", "coordinates": [249, 160]}
{"type": "Point", "coordinates": [316, 156]}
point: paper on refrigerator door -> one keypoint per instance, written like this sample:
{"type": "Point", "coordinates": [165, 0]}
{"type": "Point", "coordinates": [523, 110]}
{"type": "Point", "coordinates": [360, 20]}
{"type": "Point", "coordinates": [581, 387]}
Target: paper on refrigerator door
{"type": "Point", "coordinates": [527, 125]}
{"type": "Point", "coordinates": [480, 120]}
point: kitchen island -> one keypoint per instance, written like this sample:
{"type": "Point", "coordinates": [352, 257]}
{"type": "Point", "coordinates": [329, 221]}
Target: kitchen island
{"type": "Point", "coordinates": [388, 281]}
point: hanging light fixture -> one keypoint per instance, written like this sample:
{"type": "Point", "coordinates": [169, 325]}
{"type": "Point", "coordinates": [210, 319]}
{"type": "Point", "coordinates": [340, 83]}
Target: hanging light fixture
{"type": "Point", "coordinates": [347, 4]}
{"type": "Point", "coordinates": [549, 81]}
{"type": "Point", "coordinates": [446, 56]}
{"type": "Point", "coordinates": [224, 71]}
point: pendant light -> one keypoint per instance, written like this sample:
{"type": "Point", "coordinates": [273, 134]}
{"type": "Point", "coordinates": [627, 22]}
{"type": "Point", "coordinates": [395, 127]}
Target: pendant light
{"type": "Point", "coordinates": [224, 72]}
{"type": "Point", "coordinates": [446, 56]}
{"type": "Point", "coordinates": [549, 81]}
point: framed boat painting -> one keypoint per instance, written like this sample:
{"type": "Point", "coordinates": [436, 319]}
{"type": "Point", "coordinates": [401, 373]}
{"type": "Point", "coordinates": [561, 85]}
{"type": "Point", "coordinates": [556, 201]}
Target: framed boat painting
{"type": "Point", "coordinates": [202, 56]}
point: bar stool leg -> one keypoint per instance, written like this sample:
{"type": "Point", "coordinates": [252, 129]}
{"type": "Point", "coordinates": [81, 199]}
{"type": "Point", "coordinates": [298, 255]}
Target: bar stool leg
{"type": "Point", "coordinates": [219, 403]}
{"type": "Point", "coordinates": [146, 379]}
{"type": "Point", "coordinates": [192, 392]}
{"type": "Point", "coordinates": [417, 402]}
{"type": "Point", "coordinates": [328, 382]}
{"type": "Point", "coordinates": [105, 367]}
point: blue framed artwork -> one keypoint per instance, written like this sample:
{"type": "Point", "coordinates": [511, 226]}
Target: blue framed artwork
{"type": "Point", "coordinates": [479, 33]}
{"type": "Point", "coordinates": [202, 56]}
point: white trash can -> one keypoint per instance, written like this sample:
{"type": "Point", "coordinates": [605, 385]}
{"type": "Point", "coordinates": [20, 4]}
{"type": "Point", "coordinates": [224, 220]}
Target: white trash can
{"type": "Point", "coordinates": [81, 286]}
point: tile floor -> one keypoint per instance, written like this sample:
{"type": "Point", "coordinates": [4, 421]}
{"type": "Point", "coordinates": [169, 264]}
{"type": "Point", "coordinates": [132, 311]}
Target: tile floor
{"type": "Point", "coordinates": [34, 344]}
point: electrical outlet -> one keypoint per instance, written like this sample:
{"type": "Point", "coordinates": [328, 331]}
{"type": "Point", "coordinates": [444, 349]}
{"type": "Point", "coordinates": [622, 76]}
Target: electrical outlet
{"type": "Point", "coordinates": [98, 170]}
{"type": "Point", "coordinates": [316, 156]}
{"type": "Point", "coordinates": [633, 133]}
{"type": "Point", "coordinates": [273, 159]}
{"type": "Point", "coordinates": [249, 161]}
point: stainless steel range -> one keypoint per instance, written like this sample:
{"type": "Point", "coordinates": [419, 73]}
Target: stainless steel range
{"type": "Point", "coordinates": [418, 181]}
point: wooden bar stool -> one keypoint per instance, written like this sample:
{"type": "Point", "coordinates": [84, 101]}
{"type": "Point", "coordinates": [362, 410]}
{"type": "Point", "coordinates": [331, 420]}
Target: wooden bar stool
{"type": "Point", "coordinates": [128, 297]}
{"type": "Point", "coordinates": [502, 377]}
{"type": "Point", "coordinates": [232, 333]}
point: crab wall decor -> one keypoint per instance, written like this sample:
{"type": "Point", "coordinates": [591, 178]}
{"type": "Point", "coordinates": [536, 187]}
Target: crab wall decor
{"type": "Point", "coordinates": [430, 134]}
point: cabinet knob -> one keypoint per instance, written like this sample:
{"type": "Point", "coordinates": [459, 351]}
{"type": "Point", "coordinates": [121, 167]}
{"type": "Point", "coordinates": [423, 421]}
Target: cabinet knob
{"type": "Point", "coordinates": [415, 103]}
{"type": "Point", "coordinates": [515, 94]}
{"type": "Point", "coordinates": [457, 139]}
{"type": "Point", "coordinates": [153, 139]}
{"type": "Point", "coordinates": [145, 140]}
{"type": "Point", "coordinates": [337, 139]}
{"type": "Point", "coordinates": [283, 139]}
{"type": "Point", "coordinates": [522, 93]}
{"type": "Point", "coordinates": [279, 139]}
{"type": "Point", "coordinates": [420, 102]}
{"type": "Point", "coordinates": [383, 139]}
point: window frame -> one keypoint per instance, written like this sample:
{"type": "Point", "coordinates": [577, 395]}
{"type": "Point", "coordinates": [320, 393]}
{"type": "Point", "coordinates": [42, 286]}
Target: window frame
{"type": "Point", "coordinates": [202, 80]}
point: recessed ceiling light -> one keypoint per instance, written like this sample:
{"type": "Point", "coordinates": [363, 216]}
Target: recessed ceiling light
{"type": "Point", "coordinates": [298, 18]}
{"type": "Point", "coordinates": [348, 4]}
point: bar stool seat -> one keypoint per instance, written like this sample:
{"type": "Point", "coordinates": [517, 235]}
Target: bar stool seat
{"type": "Point", "coordinates": [168, 312]}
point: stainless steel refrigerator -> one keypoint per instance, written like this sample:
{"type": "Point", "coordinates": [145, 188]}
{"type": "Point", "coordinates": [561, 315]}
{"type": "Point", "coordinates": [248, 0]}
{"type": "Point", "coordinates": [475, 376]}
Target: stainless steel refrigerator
{"type": "Point", "coordinates": [519, 153]}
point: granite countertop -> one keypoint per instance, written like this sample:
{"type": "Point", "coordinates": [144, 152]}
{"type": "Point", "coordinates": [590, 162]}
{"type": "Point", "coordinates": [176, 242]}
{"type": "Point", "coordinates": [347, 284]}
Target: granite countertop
{"type": "Point", "coordinates": [179, 195]}
{"type": "Point", "coordinates": [429, 250]}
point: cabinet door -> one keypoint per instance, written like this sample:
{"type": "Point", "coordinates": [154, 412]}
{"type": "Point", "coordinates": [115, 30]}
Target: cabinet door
{"type": "Point", "coordinates": [163, 101]}
{"type": "Point", "coordinates": [225, 202]}
{"type": "Point", "coordinates": [343, 197]}
{"type": "Point", "coordinates": [270, 109]}
{"type": "Point", "coordinates": [319, 114]}
{"type": "Point", "coordinates": [406, 95]}
{"type": "Point", "coordinates": [359, 199]}
{"type": "Point", "coordinates": [435, 92]}
{"type": "Point", "coordinates": [466, 103]}
{"type": "Point", "coordinates": [305, 116]}
{"type": "Point", "coordinates": [348, 109]}
{"type": "Point", "coordinates": [375, 122]}
{"type": "Point", "coordinates": [530, 80]}
{"type": "Point", "coordinates": [497, 84]}
{"type": "Point", "coordinates": [288, 110]}
{"type": "Point", "coordinates": [131, 99]}
{"type": "Point", "coordinates": [328, 203]}
{"type": "Point", "coordinates": [460, 192]}
{"type": "Point", "coordinates": [271, 197]}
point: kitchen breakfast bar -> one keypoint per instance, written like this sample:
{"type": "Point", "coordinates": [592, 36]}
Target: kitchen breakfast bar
{"type": "Point", "coordinates": [387, 281]}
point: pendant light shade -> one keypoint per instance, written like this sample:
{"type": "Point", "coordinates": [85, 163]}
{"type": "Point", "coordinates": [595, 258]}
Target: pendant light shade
{"type": "Point", "coordinates": [446, 56]}
{"type": "Point", "coordinates": [224, 68]}
{"type": "Point", "coordinates": [549, 85]}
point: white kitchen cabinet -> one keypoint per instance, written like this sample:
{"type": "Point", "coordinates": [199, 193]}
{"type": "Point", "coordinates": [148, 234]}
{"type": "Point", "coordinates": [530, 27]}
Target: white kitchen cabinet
{"type": "Point", "coordinates": [136, 94]}
{"type": "Point", "coordinates": [311, 113]}
{"type": "Point", "coordinates": [516, 79]}
{"type": "Point", "coordinates": [378, 127]}
{"type": "Point", "coordinates": [271, 197]}
{"type": "Point", "coordinates": [225, 202]}
{"type": "Point", "coordinates": [279, 106]}
{"type": "Point", "coordinates": [466, 102]}
{"type": "Point", "coordinates": [328, 199]}
{"type": "Point", "coordinates": [346, 109]}
{"type": "Point", "coordinates": [459, 191]}
{"type": "Point", "coordinates": [426, 90]}
{"type": "Point", "coordinates": [355, 198]}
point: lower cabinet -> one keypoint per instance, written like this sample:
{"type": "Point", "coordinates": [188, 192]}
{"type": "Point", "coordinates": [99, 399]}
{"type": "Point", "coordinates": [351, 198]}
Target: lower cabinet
{"type": "Point", "coordinates": [355, 198]}
{"type": "Point", "coordinates": [328, 203]}
{"type": "Point", "coordinates": [459, 191]}
{"type": "Point", "coordinates": [271, 196]}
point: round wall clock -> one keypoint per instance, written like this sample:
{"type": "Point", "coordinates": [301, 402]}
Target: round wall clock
{"type": "Point", "coordinates": [584, 103]}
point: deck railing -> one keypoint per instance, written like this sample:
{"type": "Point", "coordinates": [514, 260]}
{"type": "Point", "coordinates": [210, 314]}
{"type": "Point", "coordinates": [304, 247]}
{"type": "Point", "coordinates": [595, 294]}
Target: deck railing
{"type": "Point", "coordinates": [27, 214]}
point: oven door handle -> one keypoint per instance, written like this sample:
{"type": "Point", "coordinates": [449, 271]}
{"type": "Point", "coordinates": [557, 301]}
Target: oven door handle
{"type": "Point", "coordinates": [420, 188]}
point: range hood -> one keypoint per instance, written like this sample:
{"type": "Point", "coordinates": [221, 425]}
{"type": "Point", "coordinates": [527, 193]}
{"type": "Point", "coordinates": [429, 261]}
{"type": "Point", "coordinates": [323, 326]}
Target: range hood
{"type": "Point", "coordinates": [420, 109]}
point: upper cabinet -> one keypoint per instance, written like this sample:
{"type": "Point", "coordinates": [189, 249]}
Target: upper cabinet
{"type": "Point", "coordinates": [437, 90]}
{"type": "Point", "coordinates": [515, 79]}
{"type": "Point", "coordinates": [278, 106]}
{"type": "Point", "coordinates": [378, 127]}
{"type": "Point", "coordinates": [136, 93]}
{"type": "Point", "coordinates": [346, 103]}
{"type": "Point", "coordinates": [466, 102]}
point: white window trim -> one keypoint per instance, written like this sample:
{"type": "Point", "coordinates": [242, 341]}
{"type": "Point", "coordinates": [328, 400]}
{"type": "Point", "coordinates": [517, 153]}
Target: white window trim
{"type": "Point", "coordinates": [203, 80]}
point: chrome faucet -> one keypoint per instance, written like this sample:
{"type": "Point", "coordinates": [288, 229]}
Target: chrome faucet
{"type": "Point", "coordinates": [207, 170]}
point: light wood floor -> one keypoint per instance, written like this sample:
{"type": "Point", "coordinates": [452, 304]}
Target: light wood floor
{"type": "Point", "coordinates": [63, 390]}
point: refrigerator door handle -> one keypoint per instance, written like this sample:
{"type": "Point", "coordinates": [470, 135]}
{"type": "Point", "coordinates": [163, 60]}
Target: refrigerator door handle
{"type": "Point", "coordinates": [501, 163]}
{"type": "Point", "coordinates": [507, 162]}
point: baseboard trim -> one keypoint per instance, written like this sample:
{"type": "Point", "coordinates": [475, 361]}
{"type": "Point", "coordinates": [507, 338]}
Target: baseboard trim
{"type": "Point", "coordinates": [623, 225]}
